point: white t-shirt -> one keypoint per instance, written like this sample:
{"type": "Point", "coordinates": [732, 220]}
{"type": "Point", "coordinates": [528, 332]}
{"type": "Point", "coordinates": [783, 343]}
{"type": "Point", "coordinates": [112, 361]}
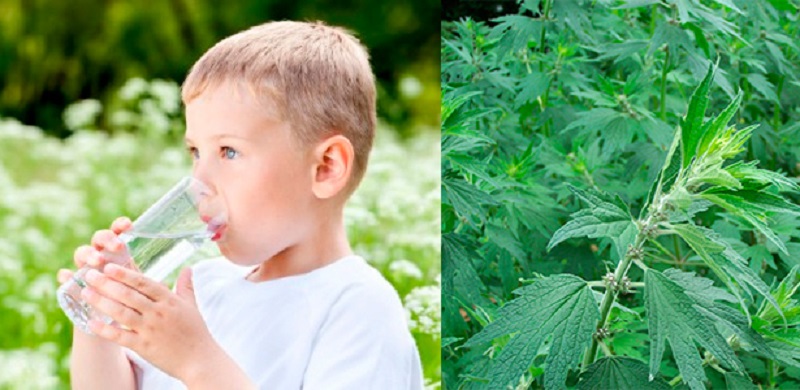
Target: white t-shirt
{"type": "Point", "coordinates": [341, 326]}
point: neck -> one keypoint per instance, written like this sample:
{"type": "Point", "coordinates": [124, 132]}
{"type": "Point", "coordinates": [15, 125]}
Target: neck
{"type": "Point", "coordinates": [327, 243]}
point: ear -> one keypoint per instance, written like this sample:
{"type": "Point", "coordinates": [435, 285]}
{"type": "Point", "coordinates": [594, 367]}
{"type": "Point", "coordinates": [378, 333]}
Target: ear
{"type": "Point", "coordinates": [333, 163]}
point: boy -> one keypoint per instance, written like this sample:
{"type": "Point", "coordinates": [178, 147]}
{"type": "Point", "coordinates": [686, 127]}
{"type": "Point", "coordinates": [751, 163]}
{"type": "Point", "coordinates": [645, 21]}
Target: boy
{"type": "Point", "coordinates": [280, 121]}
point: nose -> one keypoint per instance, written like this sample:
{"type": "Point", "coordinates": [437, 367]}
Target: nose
{"type": "Point", "coordinates": [203, 171]}
{"type": "Point", "coordinates": [209, 202]}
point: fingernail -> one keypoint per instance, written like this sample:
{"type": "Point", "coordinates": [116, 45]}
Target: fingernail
{"type": "Point", "coordinates": [94, 259]}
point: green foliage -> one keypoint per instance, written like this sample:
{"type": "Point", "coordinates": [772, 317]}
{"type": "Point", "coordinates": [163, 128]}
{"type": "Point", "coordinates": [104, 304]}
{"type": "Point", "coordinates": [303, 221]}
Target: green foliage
{"type": "Point", "coordinates": [606, 216]}
{"type": "Point", "coordinates": [541, 312]}
{"type": "Point", "coordinates": [646, 149]}
{"type": "Point", "coordinates": [621, 373]}
{"type": "Point", "coordinates": [675, 315]}
{"type": "Point", "coordinates": [692, 124]}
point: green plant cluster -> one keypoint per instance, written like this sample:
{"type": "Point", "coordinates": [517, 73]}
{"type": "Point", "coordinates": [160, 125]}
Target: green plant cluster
{"type": "Point", "coordinates": [619, 189]}
{"type": "Point", "coordinates": [56, 193]}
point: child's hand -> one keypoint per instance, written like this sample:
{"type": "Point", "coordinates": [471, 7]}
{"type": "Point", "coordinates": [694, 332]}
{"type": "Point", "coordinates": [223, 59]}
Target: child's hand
{"type": "Point", "coordinates": [163, 327]}
{"type": "Point", "coordinates": [102, 241]}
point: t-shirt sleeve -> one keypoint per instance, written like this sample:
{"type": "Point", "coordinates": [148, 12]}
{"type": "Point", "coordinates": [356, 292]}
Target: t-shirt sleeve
{"type": "Point", "coordinates": [364, 343]}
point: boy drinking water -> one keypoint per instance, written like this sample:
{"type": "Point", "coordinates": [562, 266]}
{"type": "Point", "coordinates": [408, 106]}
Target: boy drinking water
{"type": "Point", "coordinates": [279, 122]}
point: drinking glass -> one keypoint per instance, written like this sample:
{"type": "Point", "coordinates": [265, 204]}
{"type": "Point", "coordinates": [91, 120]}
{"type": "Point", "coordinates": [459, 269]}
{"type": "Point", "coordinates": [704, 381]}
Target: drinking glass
{"type": "Point", "coordinates": [159, 241]}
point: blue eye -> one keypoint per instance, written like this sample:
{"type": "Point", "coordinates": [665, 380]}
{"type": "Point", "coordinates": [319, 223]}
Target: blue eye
{"type": "Point", "coordinates": [229, 153]}
{"type": "Point", "coordinates": [193, 152]}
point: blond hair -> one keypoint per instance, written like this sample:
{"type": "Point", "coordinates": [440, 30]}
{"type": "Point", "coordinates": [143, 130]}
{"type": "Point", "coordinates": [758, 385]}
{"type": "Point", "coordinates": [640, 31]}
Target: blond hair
{"type": "Point", "coordinates": [318, 77]}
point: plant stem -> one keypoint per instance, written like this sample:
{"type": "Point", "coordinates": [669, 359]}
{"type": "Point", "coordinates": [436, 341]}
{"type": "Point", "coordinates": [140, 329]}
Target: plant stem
{"type": "Point", "coordinates": [610, 295]}
{"type": "Point", "coordinates": [545, 18]}
{"type": "Point", "coordinates": [677, 245]}
{"type": "Point", "coordinates": [771, 371]}
{"type": "Point", "coordinates": [776, 115]}
{"type": "Point", "coordinates": [606, 350]}
{"type": "Point", "coordinates": [661, 248]}
{"type": "Point", "coordinates": [680, 264]}
{"type": "Point", "coordinates": [664, 72]}
{"type": "Point", "coordinates": [676, 380]}
{"type": "Point", "coordinates": [609, 298]}
{"type": "Point", "coordinates": [653, 13]}
{"type": "Point", "coordinates": [544, 101]}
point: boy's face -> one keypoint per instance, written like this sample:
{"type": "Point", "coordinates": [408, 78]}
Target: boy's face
{"type": "Point", "coordinates": [248, 157]}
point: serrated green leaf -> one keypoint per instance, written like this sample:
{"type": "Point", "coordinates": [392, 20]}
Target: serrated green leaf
{"type": "Point", "coordinates": [472, 165]}
{"type": "Point", "coordinates": [758, 255]}
{"type": "Point", "coordinates": [668, 34]}
{"type": "Point", "coordinates": [757, 200]}
{"type": "Point", "coordinates": [716, 177]}
{"type": "Point", "coordinates": [748, 172]}
{"type": "Point", "coordinates": [763, 86]}
{"type": "Point", "coordinates": [446, 341]}
{"type": "Point", "coordinates": [783, 295]}
{"type": "Point", "coordinates": [784, 5]}
{"type": "Point", "coordinates": [720, 23]}
{"type": "Point", "coordinates": [543, 310]}
{"type": "Point", "coordinates": [451, 105]}
{"type": "Point", "coordinates": [730, 4]}
{"type": "Point", "coordinates": [620, 51]}
{"type": "Point", "coordinates": [533, 207]}
{"type": "Point", "coordinates": [465, 198]}
{"type": "Point", "coordinates": [715, 127]}
{"type": "Point", "coordinates": [530, 5]}
{"type": "Point", "coordinates": [706, 296]}
{"type": "Point", "coordinates": [504, 238]}
{"type": "Point", "coordinates": [735, 381]}
{"type": "Point", "coordinates": [750, 212]}
{"type": "Point", "coordinates": [463, 141]}
{"type": "Point", "coordinates": [460, 281]}
{"type": "Point", "coordinates": [668, 174]}
{"type": "Point", "coordinates": [606, 216]}
{"type": "Point", "coordinates": [513, 32]}
{"type": "Point", "coordinates": [699, 38]}
{"type": "Point", "coordinates": [692, 122]}
{"type": "Point", "coordinates": [575, 16]}
{"type": "Point", "coordinates": [737, 322]}
{"type": "Point", "coordinates": [672, 316]}
{"type": "Point", "coordinates": [777, 55]}
{"type": "Point", "coordinates": [619, 373]}
{"type": "Point", "coordinates": [785, 353]}
{"type": "Point", "coordinates": [638, 3]}
{"type": "Point", "coordinates": [595, 119]}
{"type": "Point", "coordinates": [725, 262]}
{"type": "Point", "coordinates": [530, 88]}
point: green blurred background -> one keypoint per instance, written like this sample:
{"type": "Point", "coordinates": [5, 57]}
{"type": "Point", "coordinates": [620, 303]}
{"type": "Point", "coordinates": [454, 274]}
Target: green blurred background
{"type": "Point", "coordinates": [55, 52]}
{"type": "Point", "coordinates": [90, 129]}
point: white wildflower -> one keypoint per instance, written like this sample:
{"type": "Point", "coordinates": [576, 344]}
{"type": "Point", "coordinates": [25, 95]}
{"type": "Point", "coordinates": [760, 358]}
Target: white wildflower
{"type": "Point", "coordinates": [168, 95]}
{"type": "Point", "coordinates": [13, 129]}
{"type": "Point", "coordinates": [82, 114]}
{"type": "Point", "coordinates": [27, 369]}
{"type": "Point", "coordinates": [133, 88]}
{"type": "Point", "coordinates": [410, 87]}
{"type": "Point", "coordinates": [424, 308]}
{"type": "Point", "coordinates": [406, 268]}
